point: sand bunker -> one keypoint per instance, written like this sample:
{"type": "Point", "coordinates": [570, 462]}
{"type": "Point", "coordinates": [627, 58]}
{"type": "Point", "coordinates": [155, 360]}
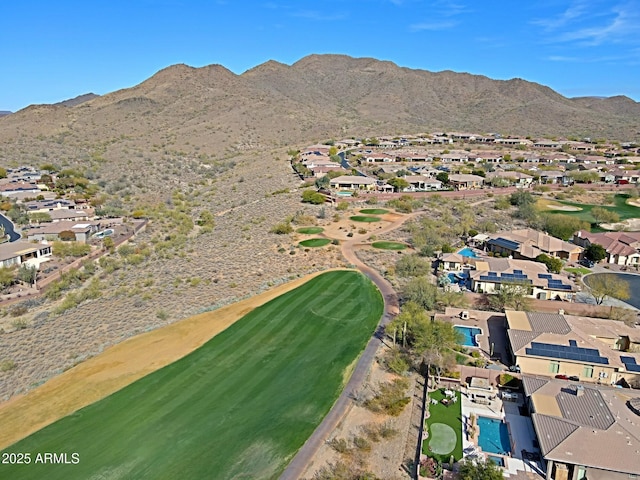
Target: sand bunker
{"type": "Point", "coordinates": [120, 365]}
{"type": "Point", "coordinates": [629, 225]}
{"type": "Point", "coordinates": [562, 208]}
{"type": "Point", "coordinates": [634, 202]}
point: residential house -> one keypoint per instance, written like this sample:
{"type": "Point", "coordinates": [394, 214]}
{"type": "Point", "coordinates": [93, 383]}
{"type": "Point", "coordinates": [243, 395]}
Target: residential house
{"type": "Point", "coordinates": [528, 244]}
{"type": "Point", "coordinates": [548, 144]}
{"type": "Point", "coordinates": [353, 182]}
{"type": "Point", "coordinates": [491, 274]}
{"type": "Point", "coordinates": [62, 230]}
{"type": "Point", "coordinates": [623, 248]}
{"type": "Point", "coordinates": [585, 431]}
{"type": "Point", "coordinates": [12, 188]}
{"type": "Point", "coordinates": [554, 177]}
{"type": "Point", "coordinates": [517, 179]}
{"type": "Point", "coordinates": [48, 206]}
{"type": "Point", "coordinates": [379, 157]}
{"type": "Point", "coordinates": [420, 183]}
{"type": "Point", "coordinates": [594, 350]}
{"type": "Point", "coordinates": [462, 181]}
{"type": "Point", "coordinates": [19, 252]}
{"type": "Point", "coordinates": [514, 141]}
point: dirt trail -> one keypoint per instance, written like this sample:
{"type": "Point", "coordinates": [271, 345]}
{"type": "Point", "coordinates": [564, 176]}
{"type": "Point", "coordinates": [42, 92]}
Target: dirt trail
{"type": "Point", "coordinates": [120, 365]}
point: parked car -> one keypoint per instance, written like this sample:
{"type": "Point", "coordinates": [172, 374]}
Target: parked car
{"type": "Point", "coordinates": [571, 378]}
{"type": "Point", "coordinates": [587, 263]}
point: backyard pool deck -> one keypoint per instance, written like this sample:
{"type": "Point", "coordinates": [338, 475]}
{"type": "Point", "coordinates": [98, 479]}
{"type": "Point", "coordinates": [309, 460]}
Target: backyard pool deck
{"type": "Point", "coordinates": [521, 433]}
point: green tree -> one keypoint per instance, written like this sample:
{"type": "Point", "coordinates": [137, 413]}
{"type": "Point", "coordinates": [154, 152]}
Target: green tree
{"type": "Point", "coordinates": [27, 273]}
{"type": "Point", "coordinates": [398, 184]}
{"type": "Point", "coordinates": [479, 470]}
{"type": "Point", "coordinates": [562, 226]}
{"type": "Point", "coordinates": [511, 295]}
{"type": "Point", "coordinates": [443, 177]}
{"type": "Point", "coordinates": [605, 285]}
{"type": "Point", "coordinates": [553, 264]}
{"type": "Point", "coordinates": [521, 198]}
{"type": "Point", "coordinates": [602, 215]}
{"type": "Point", "coordinates": [412, 266]}
{"type": "Point", "coordinates": [7, 277]}
{"type": "Point", "coordinates": [434, 342]}
{"type": "Point", "coordinates": [595, 252]}
{"type": "Point", "coordinates": [3, 172]}
{"type": "Point", "coordinates": [422, 292]}
{"type": "Point", "coordinates": [311, 196]}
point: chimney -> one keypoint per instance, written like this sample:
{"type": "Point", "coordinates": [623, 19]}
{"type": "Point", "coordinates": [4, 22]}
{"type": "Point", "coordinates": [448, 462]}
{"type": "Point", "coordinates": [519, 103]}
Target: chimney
{"type": "Point", "coordinates": [579, 233]}
{"type": "Point", "coordinates": [579, 390]}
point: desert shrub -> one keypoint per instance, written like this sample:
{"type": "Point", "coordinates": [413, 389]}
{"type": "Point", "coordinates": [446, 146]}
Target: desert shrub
{"type": "Point", "coordinates": [342, 206]}
{"type": "Point", "coordinates": [391, 397]}
{"type": "Point", "coordinates": [362, 443]}
{"type": "Point", "coordinates": [397, 361]}
{"type": "Point", "coordinates": [340, 445]}
{"type": "Point", "coordinates": [19, 324]}
{"type": "Point", "coordinates": [7, 365]}
{"type": "Point", "coordinates": [282, 228]}
{"type": "Point", "coordinates": [18, 310]}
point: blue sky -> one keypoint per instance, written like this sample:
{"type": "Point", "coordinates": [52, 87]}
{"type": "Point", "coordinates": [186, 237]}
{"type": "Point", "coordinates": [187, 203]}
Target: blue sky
{"type": "Point", "coordinates": [54, 50]}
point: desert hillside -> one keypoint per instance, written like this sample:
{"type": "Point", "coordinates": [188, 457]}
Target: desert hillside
{"type": "Point", "coordinates": [190, 140]}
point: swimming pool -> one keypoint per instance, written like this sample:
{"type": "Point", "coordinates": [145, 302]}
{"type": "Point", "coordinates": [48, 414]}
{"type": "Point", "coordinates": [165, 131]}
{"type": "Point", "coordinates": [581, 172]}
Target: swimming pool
{"type": "Point", "coordinates": [467, 252]}
{"type": "Point", "coordinates": [469, 335]}
{"type": "Point", "coordinates": [497, 460]}
{"type": "Point", "coordinates": [493, 436]}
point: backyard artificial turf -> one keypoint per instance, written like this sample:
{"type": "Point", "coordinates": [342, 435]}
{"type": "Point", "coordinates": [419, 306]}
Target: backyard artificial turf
{"type": "Point", "coordinates": [449, 415]}
{"type": "Point", "coordinates": [238, 407]}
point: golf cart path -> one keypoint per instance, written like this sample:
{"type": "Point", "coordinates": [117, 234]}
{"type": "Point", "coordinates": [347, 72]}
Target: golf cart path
{"type": "Point", "coordinates": [298, 465]}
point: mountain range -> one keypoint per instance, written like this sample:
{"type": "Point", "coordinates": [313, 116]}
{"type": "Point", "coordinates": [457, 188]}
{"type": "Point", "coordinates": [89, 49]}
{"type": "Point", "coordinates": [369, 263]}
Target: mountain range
{"type": "Point", "coordinates": [327, 96]}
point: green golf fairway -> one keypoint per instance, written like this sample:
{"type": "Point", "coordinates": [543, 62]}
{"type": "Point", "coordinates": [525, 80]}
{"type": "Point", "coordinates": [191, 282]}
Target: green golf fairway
{"type": "Point", "coordinates": [238, 407]}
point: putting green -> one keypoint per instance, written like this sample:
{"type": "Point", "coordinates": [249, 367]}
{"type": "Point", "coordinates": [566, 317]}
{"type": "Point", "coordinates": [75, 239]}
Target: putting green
{"type": "Point", "coordinates": [315, 242]}
{"type": "Point", "coordinates": [442, 439]}
{"type": "Point", "coordinates": [374, 211]}
{"type": "Point", "coordinates": [363, 218]}
{"type": "Point", "coordinates": [310, 230]}
{"type": "Point", "coordinates": [389, 245]}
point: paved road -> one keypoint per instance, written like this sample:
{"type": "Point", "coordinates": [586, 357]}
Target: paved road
{"type": "Point", "coordinates": [298, 465]}
{"type": "Point", "coordinates": [9, 229]}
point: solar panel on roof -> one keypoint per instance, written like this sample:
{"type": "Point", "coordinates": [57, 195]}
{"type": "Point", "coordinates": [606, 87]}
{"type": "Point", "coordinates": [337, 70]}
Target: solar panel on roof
{"type": "Point", "coordinates": [519, 272]}
{"type": "Point", "coordinates": [570, 352]}
{"type": "Point", "coordinates": [545, 276]}
{"type": "Point", "coordinates": [630, 363]}
{"type": "Point", "coordinates": [573, 343]}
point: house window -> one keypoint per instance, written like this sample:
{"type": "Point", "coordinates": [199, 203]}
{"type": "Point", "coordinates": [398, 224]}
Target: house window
{"type": "Point", "coordinates": [587, 372]}
{"type": "Point", "coordinates": [554, 367]}
{"type": "Point", "coordinates": [581, 474]}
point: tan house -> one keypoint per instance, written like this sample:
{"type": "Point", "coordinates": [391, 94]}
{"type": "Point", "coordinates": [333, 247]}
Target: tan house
{"type": "Point", "coordinates": [464, 181]}
{"type": "Point", "coordinates": [19, 252]}
{"type": "Point", "coordinates": [59, 230]}
{"type": "Point", "coordinates": [623, 248]}
{"type": "Point", "coordinates": [593, 350]}
{"type": "Point", "coordinates": [585, 431]}
{"type": "Point", "coordinates": [528, 244]}
{"type": "Point", "coordinates": [492, 274]}
{"type": "Point", "coordinates": [353, 182]}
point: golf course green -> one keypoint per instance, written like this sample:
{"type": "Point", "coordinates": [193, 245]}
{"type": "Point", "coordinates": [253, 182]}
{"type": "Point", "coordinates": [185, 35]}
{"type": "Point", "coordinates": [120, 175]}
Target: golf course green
{"type": "Point", "coordinates": [238, 407]}
{"type": "Point", "coordinates": [315, 242]}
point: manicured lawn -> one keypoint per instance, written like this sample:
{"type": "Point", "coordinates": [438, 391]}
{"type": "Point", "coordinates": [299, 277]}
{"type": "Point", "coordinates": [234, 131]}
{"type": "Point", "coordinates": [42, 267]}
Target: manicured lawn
{"type": "Point", "coordinates": [389, 245]}
{"type": "Point", "coordinates": [310, 230]}
{"type": "Point", "coordinates": [363, 218]}
{"type": "Point", "coordinates": [576, 270]}
{"type": "Point", "coordinates": [238, 407]}
{"type": "Point", "coordinates": [315, 242]}
{"type": "Point", "coordinates": [624, 210]}
{"type": "Point", "coordinates": [441, 415]}
{"type": "Point", "coordinates": [374, 211]}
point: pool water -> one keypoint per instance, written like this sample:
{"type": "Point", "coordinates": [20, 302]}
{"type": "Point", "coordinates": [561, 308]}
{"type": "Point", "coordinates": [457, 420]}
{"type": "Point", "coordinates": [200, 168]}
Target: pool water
{"type": "Point", "coordinates": [493, 436]}
{"type": "Point", "coordinates": [469, 335]}
{"type": "Point", "coordinates": [497, 460]}
{"type": "Point", "coordinates": [467, 252]}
